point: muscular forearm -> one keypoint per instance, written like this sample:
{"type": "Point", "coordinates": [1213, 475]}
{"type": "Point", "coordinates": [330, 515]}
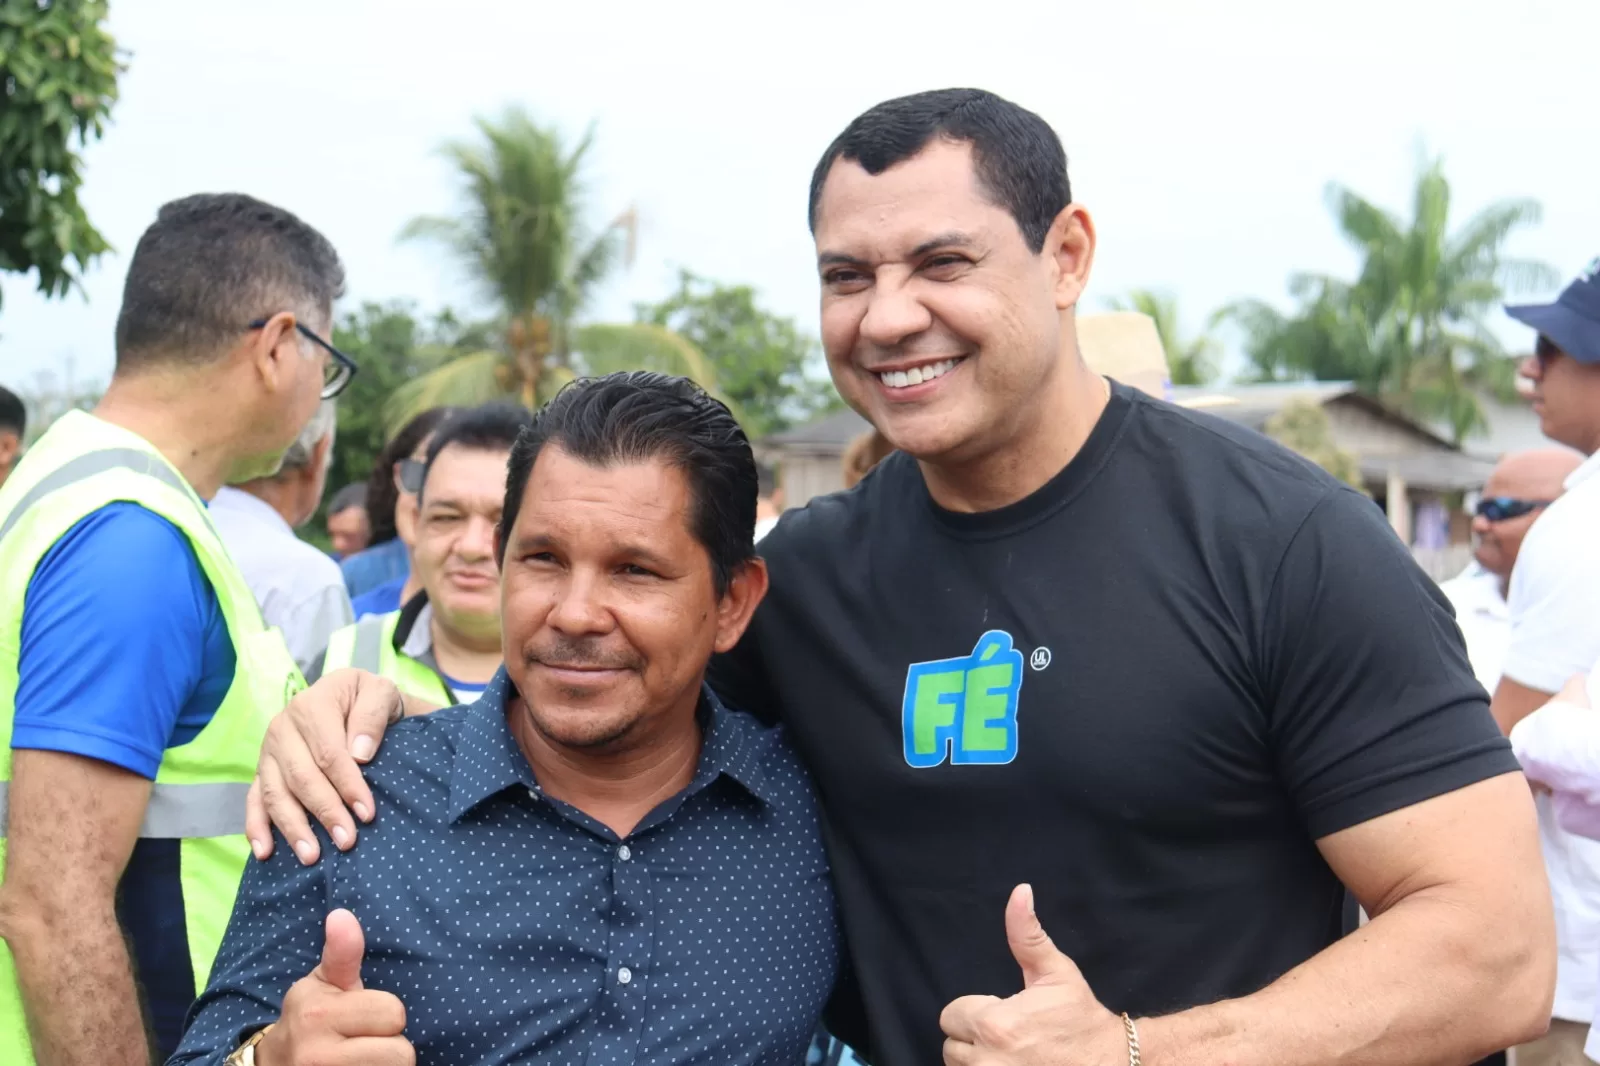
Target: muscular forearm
{"type": "Point", "coordinates": [77, 984]}
{"type": "Point", "coordinates": [1431, 981]}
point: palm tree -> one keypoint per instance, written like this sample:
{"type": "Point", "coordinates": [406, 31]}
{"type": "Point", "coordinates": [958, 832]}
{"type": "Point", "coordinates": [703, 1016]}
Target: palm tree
{"type": "Point", "coordinates": [1189, 362]}
{"type": "Point", "coordinates": [1410, 329]}
{"type": "Point", "coordinates": [521, 237]}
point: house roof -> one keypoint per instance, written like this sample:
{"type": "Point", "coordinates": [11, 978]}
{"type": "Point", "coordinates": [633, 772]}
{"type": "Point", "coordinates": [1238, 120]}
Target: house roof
{"type": "Point", "coordinates": [835, 430]}
{"type": "Point", "coordinates": [1253, 404]}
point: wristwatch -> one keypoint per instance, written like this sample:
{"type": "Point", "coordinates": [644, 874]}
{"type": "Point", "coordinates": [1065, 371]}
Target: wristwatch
{"type": "Point", "coordinates": [245, 1053]}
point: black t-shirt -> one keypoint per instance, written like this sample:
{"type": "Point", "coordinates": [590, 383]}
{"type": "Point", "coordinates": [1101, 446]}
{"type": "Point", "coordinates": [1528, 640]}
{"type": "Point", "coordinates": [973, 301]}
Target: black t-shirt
{"type": "Point", "coordinates": [1147, 689]}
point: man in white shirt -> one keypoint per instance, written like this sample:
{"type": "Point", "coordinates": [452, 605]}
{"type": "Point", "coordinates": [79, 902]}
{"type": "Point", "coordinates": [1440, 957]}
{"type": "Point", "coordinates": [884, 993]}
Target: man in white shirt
{"type": "Point", "coordinates": [299, 588]}
{"type": "Point", "coordinates": [1554, 603]}
{"type": "Point", "coordinates": [1521, 486]}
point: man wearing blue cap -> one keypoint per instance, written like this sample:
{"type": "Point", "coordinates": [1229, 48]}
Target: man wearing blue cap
{"type": "Point", "coordinates": [1555, 633]}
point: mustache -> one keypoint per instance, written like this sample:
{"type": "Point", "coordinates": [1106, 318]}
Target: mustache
{"type": "Point", "coordinates": [580, 652]}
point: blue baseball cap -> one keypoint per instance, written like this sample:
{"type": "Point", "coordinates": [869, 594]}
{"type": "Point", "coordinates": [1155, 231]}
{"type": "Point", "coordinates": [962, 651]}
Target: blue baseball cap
{"type": "Point", "coordinates": [1573, 321]}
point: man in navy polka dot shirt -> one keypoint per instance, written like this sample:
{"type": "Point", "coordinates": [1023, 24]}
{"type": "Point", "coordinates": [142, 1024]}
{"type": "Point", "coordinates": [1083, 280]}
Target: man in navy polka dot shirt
{"type": "Point", "coordinates": [596, 862]}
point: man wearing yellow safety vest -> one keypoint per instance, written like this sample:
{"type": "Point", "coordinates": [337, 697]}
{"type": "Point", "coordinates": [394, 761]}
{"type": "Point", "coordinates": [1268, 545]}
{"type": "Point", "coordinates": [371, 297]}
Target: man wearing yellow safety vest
{"type": "Point", "coordinates": [136, 674]}
{"type": "Point", "coordinates": [443, 644]}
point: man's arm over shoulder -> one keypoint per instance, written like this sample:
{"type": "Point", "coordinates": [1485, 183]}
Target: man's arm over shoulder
{"type": "Point", "coordinates": [1555, 628]}
{"type": "Point", "coordinates": [110, 652]}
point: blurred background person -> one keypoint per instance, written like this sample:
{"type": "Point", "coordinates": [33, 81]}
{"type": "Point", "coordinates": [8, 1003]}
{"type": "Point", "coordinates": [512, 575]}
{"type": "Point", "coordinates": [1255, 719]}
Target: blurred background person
{"type": "Point", "coordinates": [769, 500]}
{"type": "Point", "coordinates": [348, 529]}
{"type": "Point", "coordinates": [1518, 489]}
{"type": "Point", "coordinates": [13, 425]}
{"type": "Point", "coordinates": [300, 589]}
{"type": "Point", "coordinates": [864, 453]}
{"type": "Point", "coordinates": [443, 645]}
{"type": "Point", "coordinates": [376, 576]}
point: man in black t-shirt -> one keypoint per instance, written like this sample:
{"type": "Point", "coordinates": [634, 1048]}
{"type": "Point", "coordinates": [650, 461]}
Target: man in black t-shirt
{"type": "Point", "coordinates": [1180, 682]}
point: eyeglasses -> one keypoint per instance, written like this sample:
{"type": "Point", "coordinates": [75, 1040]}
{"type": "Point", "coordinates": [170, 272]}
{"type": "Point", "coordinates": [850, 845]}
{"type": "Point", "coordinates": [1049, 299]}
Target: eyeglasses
{"type": "Point", "coordinates": [411, 471]}
{"type": "Point", "coordinates": [1500, 508]}
{"type": "Point", "coordinates": [340, 369]}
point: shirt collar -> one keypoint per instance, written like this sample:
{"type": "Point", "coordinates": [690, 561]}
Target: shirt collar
{"type": "Point", "coordinates": [256, 509]}
{"type": "Point", "coordinates": [1589, 468]}
{"type": "Point", "coordinates": [488, 760]}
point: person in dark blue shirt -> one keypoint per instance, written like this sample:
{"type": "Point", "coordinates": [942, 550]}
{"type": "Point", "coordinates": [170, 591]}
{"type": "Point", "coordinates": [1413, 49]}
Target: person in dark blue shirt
{"type": "Point", "coordinates": [595, 862]}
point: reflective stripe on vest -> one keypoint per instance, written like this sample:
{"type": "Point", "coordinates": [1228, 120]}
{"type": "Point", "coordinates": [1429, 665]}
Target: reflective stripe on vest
{"type": "Point", "coordinates": [367, 654]}
{"type": "Point", "coordinates": [178, 812]}
{"type": "Point", "coordinates": [87, 466]}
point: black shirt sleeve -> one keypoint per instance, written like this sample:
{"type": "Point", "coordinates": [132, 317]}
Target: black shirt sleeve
{"type": "Point", "coordinates": [1371, 703]}
{"type": "Point", "coordinates": [739, 676]}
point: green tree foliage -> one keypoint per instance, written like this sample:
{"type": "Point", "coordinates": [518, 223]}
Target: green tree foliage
{"type": "Point", "coordinates": [1191, 360]}
{"type": "Point", "coordinates": [1302, 426]}
{"type": "Point", "coordinates": [522, 237]}
{"type": "Point", "coordinates": [392, 347]}
{"type": "Point", "coordinates": [58, 81]}
{"type": "Point", "coordinates": [1410, 329]}
{"type": "Point", "coordinates": [764, 363]}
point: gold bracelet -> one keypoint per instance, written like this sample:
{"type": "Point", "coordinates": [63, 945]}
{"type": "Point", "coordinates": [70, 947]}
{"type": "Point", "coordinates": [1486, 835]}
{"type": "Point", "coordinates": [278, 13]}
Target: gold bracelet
{"type": "Point", "coordinates": [245, 1053]}
{"type": "Point", "coordinates": [1133, 1040]}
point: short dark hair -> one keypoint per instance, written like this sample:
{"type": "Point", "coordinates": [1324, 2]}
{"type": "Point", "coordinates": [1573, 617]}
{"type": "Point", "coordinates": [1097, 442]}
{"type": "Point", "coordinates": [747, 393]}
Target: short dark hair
{"type": "Point", "coordinates": [492, 427]}
{"type": "Point", "coordinates": [348, 497]}
{"type": "Point", "coordinates": [1017, 156]}
{"type": "Point", "coordinates": [209, 266]}
{"type": "Point", "coordinates": [636, 415]}
{"type": "Point", "coordinates": [13, 415]}
{"type": "Point", "coordinates": [382, 494]}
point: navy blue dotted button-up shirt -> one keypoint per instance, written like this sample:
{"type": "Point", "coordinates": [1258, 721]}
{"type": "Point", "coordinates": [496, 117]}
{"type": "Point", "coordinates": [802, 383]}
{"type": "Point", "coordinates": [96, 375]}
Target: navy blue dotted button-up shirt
{"type": "Point", "coordinates": [516, 928]}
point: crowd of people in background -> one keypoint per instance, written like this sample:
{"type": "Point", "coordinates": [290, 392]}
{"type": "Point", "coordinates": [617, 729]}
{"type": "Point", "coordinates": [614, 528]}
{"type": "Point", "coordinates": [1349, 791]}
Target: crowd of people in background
{"type": "Point", "coordinates": [1075, 730]}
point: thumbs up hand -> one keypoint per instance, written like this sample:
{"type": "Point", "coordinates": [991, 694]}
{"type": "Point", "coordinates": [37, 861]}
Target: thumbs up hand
{"type": "Point", "coordinates": [1054, 1021]}
{"type": "Point", "coordinates": [329, 1017]}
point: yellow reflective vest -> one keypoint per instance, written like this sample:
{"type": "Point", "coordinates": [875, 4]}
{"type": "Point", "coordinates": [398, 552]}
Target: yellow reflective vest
{"type": "Point", "coordinates": [79, 466]}
{"type": "Point", "coordinates": [369, 645]}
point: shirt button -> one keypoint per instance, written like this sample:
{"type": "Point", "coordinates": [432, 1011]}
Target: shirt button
{"type": "Point", "coordinates": [624, 975]}
{"type": "Point", "coordinates": [624, 853]}
{"type": "Point", "coordinates": [533, 793]}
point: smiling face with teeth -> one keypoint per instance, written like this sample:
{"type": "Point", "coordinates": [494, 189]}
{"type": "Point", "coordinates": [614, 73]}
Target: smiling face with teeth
{"type": "Point", "coordinates": [941, 325]}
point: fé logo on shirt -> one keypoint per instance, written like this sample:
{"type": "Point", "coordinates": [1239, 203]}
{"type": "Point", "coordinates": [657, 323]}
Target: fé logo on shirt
{"type": "Point", "coordinates": [965, 708]}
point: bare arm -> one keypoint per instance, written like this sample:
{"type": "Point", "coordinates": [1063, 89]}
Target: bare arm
{"type": "Point", "coordinates": [311, 761]}
{"type": "Point", "coordinates": [1457, 962]}
{"type": "Point", "coordinates": [72, 825]}
{"type": "Point", "coordinates": [1514, 701]}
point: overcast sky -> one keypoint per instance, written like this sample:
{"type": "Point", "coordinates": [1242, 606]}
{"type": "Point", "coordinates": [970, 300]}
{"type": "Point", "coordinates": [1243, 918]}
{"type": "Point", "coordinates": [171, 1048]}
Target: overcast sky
{"type": "Point", "coordinates": [1201, 135]}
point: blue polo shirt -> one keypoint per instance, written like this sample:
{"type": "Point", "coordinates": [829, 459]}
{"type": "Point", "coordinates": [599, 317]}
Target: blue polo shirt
{"type": "Point", "coordinates": [514, 927]}
{"type": "Point", "coordinates": [124, 654]}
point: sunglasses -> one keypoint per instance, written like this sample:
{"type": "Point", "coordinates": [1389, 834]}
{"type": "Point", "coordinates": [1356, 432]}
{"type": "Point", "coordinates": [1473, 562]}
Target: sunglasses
{"type": "Point", "coordinates": [340, 369]}
{"type": "Point", "coordinates": [1500, 508]}
{"type": "Point", "coordinates": [411, 471]}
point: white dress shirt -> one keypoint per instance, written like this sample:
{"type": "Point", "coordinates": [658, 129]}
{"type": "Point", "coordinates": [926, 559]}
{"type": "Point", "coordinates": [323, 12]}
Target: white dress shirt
{"type": "Point", "coordinates": [1555, 633]}
{"type": "Point", "coordinates": [1485, 621]}
{"type": "Point", "coordinates": [300, 590]}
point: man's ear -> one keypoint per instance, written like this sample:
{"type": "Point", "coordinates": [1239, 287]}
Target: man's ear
{"type": "Point", "coordinates": [1070, 243]}
{"type": "Point", "coordinates": [270, 347]}
{"type": "Point", "coordinates": [745, 592]}
{"type": "Point", "coordinates": [10, 445]}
